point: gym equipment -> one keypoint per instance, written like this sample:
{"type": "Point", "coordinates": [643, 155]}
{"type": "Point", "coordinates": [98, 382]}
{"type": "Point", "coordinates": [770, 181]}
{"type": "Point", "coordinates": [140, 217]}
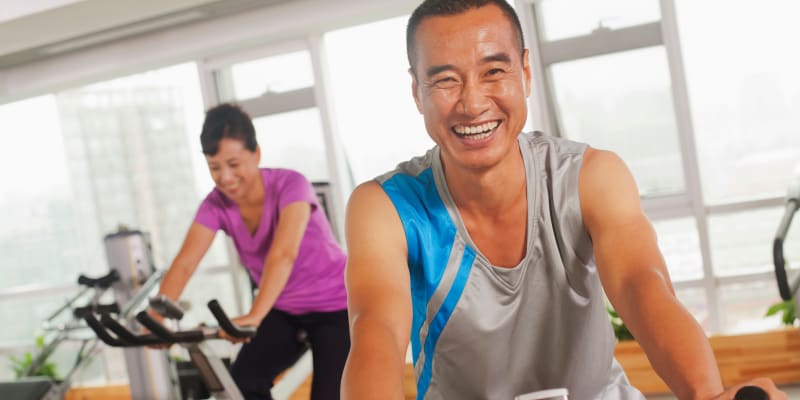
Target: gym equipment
{"type": "Point", "coordinates": [30, 386]}
{"type": "Point", "coordinates": [787, 290]}
{"type": "Point", "coordinates": [211, 368]}
{"type": "Point", "coordinates": [751, 393]}
{"type": "Point", "coordinates": [150, 373]}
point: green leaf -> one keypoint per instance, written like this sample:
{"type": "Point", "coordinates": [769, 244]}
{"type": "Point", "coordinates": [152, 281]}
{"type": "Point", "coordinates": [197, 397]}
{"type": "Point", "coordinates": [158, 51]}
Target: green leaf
{"type": "Point", "coordinates": [787, 309]}
{"type": "Point", "coordinates": [775, 308]}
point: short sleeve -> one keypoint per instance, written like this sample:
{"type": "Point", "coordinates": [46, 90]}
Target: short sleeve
{"type": "Point", "coordinates": [209, 214]}
{"type": "Point", "coordinates": [295, 187]}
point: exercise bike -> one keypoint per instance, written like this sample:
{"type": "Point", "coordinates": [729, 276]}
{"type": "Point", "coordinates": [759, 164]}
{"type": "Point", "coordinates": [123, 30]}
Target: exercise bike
{"type": "Point", "coordinates": [211, 369]}
{"type": "Point", "coordinates": [31, 386]}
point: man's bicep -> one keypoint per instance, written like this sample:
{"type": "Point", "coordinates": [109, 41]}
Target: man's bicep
{"type": "Point", "coordinates": [624, 241]}
{"type": "Point", "coordinates": [377, 278]}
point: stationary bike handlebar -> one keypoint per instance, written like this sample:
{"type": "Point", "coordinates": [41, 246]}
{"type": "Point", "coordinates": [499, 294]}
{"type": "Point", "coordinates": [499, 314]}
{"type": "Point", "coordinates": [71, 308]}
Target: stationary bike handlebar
{"type": "Point", "coordinates": [751, 393]}
{"type": "Point", "coordinates": [240, 332]}
{"type": "Point", "coordinates": [786, 289]}
{"type": "Point", "coordinates": [103, 282]}
{"type": "Point", "coordinates": [115, 334]}
{"type": "Point", "coordinates": [167, 335]}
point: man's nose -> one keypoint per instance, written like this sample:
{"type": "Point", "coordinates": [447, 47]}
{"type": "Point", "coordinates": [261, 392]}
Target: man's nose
{"type": "Point", "coordinates": [473, 101]}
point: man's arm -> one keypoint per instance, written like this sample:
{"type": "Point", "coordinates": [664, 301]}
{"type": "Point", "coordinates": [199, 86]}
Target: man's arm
{"type": "Point", "coordinates": [378, 295]}
{"type": "Point", "coordinates": [637, 283]}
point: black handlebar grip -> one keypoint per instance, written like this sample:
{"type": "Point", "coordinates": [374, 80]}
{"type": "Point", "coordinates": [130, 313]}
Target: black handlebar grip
{"type": "Point", "coordinates": [101, 333]}
{"type": "Point", "coordinates": [226, 324]}
{"type": "Point", "coordinates": [125, 334]}
{"type": "Point", "coordinates": [103, 282]}
{"type": "Point", "coordinates": [171, 337]}
{"type": "Point", "coordinates": [751, 393]}
{"type": "Point", "coordinates": [104, 309]}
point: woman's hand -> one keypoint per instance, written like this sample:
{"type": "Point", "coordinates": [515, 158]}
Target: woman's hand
{"type": "Point", "coordinates": [244, 320]}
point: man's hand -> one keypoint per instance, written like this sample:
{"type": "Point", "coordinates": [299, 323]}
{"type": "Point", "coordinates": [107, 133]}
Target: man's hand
{"type": "Point", "coordinates": [764, 383]}
{"type": "Point", "coordinates": [244, 320]}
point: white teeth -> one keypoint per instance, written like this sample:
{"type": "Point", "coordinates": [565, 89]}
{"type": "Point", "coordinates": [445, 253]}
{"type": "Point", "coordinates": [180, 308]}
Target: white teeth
{"type": "Point", "coordinates": [476, 132]}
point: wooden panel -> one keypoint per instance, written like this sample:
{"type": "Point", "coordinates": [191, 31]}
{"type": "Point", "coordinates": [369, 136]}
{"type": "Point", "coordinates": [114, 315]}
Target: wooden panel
{"type": "Point", "coordinates": [303, 392]}
{"type": "Point", "coordinates": [774, 354]}
{"type": "Point", "coordinates": [112, 392]}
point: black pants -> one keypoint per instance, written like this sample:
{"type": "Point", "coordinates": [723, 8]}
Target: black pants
{"type": "Point", "coordinates": [276, 348]}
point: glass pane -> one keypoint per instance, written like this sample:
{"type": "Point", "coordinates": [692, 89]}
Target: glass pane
{"type": "Point", "coordinates": [694, 299]}
{"type": "Point", "coordinates": [23, 317]}
{"type": "Point", "coordinates": [745, 304]}
{"type": "Point", "coordinates": [44, 239]}
{"type": "Point", "coordinates": [567, 18]}
{"type": "Point", "coordinates": [378, 122]}
{"type": "Point", "coordinates": [133, 153]}
{"type": "Point", "coordinates": [742, 242]}
{"type": "Point", "coordinates": [680, 245]}
{"type": "Point", "coordinates": [623, 102]}
{"type": "Point", "coordinates": [293, 140]}
{"type": "Point", "coordinates": [745, 95]}
{"type": "Point", "coordinates": [276, 74]}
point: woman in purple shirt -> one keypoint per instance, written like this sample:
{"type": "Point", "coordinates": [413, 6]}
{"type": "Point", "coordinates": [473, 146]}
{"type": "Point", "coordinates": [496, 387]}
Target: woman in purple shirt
{"type": "Point", "coordinates": [284, 240]}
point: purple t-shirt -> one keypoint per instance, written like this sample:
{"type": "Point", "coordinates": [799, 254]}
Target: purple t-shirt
{"type": "Point", "coordinates": [317, 279]}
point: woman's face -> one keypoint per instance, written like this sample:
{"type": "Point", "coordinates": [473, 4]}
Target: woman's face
{"type": "Point", "coordinates": [234, 168]}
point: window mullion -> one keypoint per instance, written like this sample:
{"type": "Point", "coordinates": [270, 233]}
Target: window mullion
{"type": "Point", "coordinates": [683, 116]}
{"type": "Point", "coordinates": [601, 42]}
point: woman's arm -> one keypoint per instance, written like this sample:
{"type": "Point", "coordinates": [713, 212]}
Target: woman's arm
{"type": "Point", "coordinates": [194, 247]}
{"type": "Point", "coordinates": [292, 223]}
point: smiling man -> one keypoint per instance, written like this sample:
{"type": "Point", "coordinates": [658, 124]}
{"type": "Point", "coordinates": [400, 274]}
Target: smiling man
{"type": "Point", "coordinates": [491, 253]}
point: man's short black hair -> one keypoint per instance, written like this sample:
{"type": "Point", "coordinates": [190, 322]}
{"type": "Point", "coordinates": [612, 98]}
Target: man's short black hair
{"type": "Point", "coordinates": [432, 8]}
{"type": "Point", "coordinates": [227, 121]}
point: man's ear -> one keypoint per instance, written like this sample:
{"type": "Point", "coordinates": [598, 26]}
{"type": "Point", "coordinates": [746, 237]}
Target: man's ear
{"type": "Point", "coordinates": [526, 70]}
{"type": "Point", "coordinates": [415, 89]}
{"type": "Point", "coordinates": [258, 154]}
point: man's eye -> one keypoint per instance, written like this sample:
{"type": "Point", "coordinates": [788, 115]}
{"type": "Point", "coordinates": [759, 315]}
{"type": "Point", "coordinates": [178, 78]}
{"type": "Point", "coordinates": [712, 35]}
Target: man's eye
{"type": "Point", "coordinates": [445, 82]}
{"type": "Point", "coordinates": [495, 71]}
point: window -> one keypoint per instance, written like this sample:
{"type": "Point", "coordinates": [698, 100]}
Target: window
{"type": "Point", "coordinates": [377, 119]}
{"type": "Point", "coordinates": [83, 161]}
{"type": "Point", "coordinates": [132, 147]}
{"type": "Point", "coordinates": [622, 101]}
{"type": "Point", "coordinates": [711, 175]}
{"type": "Point", "coordinates": [276, 74]}
{"type": "Point", "coordinates": [745, 93]}
{"type": "Point", "coordinates": [568, 18]}
{"type": "Point", "coordinates": [680, 244]}
{"type": "Point", "coordinates": [293, 140]}
{"type": "Point", "coordinates": [44, 239]}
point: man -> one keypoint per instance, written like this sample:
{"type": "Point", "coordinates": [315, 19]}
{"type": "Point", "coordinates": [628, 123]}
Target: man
{"type": "Point", "coordinates": [488, 252]}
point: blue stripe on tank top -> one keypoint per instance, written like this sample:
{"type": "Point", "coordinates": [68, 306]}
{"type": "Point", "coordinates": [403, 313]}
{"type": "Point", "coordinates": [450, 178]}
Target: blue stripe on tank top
{"type": "Point", "coordinates": [440, 320]}
{"type": "Point", "coordinates": [430, 234]}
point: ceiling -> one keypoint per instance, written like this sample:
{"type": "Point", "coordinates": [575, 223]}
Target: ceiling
{"type": "Point", "coordinates": [53, 27]}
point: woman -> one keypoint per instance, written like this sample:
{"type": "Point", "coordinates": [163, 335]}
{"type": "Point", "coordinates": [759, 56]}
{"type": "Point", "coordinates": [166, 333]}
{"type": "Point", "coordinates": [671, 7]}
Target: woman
{"type": "Point", "coordinates": [284, 240]}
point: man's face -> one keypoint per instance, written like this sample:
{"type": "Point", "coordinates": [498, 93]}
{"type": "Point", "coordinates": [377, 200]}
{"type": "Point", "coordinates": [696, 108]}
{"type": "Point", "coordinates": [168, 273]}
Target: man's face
{"type": "Point", "coordinates": [470, 85]}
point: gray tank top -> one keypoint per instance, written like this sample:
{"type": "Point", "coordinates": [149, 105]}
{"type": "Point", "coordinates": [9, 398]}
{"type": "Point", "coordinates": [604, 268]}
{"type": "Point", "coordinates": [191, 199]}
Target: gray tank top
{"type": "Point", "coordinates": [484, 332]}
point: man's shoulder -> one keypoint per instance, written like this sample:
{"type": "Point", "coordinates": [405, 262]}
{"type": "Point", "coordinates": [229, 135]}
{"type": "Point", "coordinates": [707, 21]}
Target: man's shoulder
{"type": "Point", "coordinates": [538, 139]}
{"type": "Point", "coordinates": [412, 168]}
